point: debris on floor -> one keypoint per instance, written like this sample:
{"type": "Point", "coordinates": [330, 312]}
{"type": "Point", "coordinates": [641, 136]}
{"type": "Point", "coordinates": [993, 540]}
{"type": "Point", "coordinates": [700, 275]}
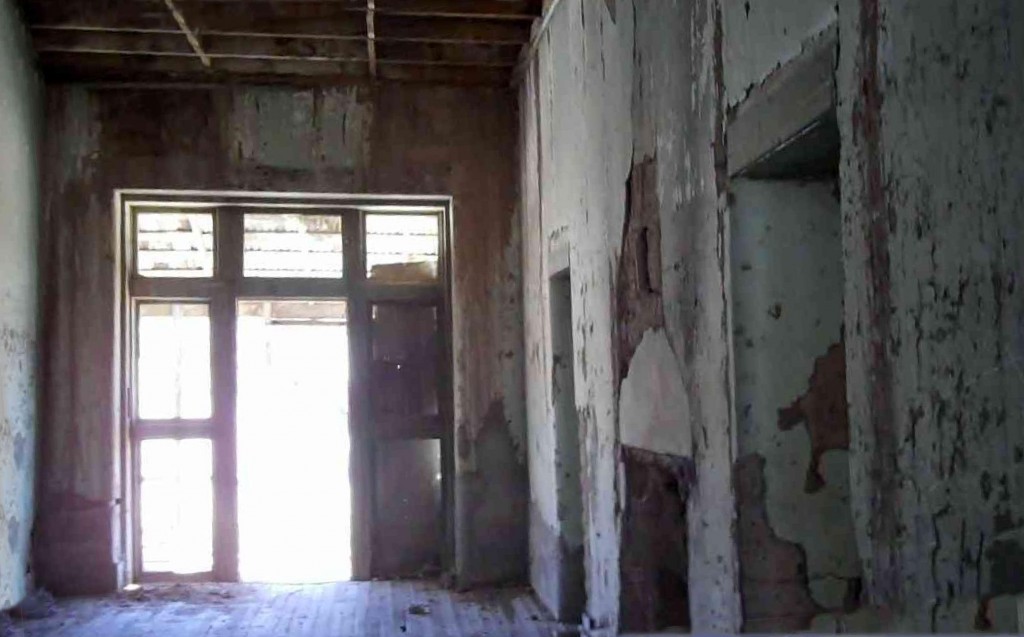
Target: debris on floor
{"type": "Point", "coordinates": [37, 605]}
{"type": "Point", "coordinates": [7, 628]}
{"type": "Point", "coordinates": [349, 609]}
{"type": "Point", "coordinates": [187, 593]}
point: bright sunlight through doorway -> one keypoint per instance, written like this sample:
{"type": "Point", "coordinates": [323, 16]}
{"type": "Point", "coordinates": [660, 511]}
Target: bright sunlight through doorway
{"type": "Point", "coordinates": [294, 496]}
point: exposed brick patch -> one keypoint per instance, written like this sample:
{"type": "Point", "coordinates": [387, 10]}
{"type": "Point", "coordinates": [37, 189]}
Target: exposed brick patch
{"type": "Point", "coordinates": [823, 410]}
{"type": "Point", "coordinates": [655, 589]}
{"type": "Point", "coordinates": [638, 303]}
{"type": "Point", "coordinates": [774, 585]}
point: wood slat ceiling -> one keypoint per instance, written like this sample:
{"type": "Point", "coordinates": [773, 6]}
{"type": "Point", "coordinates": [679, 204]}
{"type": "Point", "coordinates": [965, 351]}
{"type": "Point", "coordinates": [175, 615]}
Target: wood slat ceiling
{"type": "Point", "coordinates": [281, 41]}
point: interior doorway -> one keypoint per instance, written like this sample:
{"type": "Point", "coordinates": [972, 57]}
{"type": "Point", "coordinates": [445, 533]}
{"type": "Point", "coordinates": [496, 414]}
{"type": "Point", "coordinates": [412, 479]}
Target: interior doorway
{"type": "Point", "coordinates": [568, 479]}
{"type": "Point", "coordinates": [288, 391]}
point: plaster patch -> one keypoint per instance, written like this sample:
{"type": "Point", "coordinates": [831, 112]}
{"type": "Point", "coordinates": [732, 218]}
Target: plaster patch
{"type": "Point", "coordinates": [653, 404]}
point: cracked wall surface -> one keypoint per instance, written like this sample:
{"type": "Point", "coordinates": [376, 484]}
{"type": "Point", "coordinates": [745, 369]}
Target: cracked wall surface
{"type": "Point", "coordinates": [20, 99]}
{"type": "Point", "coordinates": [619, 89]}
{"type": "Point", "coordinates": [387, 139]}
{"type": "Point", "coordinates": [877, 393]}
{"type": "Point", "coordinates": [932, 121]}
{"type": "Point", "coordinates": [797, 546]}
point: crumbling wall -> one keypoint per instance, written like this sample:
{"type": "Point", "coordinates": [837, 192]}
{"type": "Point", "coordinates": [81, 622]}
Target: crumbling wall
{"type": "Point", "coordinates": [655, 588]}
{"type": "Point", "coordinates": [798, 553]}
{"type": "Point", "coordinates": [386, 139]}
{"type": "Point", "coordinates": [678, 116]}
{"type": "Point", "coordinates": [20, 100]}
{"type": "Point", "coordinates": [571, 146]}
{"type": "Point", "coordinates": [932, 121]}
{"type": "Point", "coordinates": [931, 211]}
{"type": "Point", "coordinates": [604, 103]}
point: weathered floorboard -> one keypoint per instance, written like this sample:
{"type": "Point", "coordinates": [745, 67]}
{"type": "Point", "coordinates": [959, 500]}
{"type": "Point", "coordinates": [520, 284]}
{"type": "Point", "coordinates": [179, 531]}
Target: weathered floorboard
{"type": "Point", "coordinates": [342, 609]}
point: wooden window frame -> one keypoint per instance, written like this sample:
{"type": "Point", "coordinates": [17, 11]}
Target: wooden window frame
{"type": "Point", "coordinates": [222, 292]}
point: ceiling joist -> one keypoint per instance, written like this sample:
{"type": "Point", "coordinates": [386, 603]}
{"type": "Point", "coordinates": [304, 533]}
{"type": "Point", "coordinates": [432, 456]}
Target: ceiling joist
{"type": "Point", "coordinates": [170, 42]}
{"type": "Point", "coordinates": [448, 41]}
{"type": "Point", "coordinates": [114, 67]}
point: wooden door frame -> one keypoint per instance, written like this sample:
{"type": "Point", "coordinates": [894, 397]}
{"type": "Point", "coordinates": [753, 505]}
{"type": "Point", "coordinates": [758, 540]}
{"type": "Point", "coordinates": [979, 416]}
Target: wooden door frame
{"type": "Point", "coordinates": [222, 292]}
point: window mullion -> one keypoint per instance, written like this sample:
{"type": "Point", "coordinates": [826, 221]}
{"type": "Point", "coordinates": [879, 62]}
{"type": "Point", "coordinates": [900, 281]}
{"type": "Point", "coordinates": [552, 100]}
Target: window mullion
{"type": "Point", "coordinates": [228, 241]}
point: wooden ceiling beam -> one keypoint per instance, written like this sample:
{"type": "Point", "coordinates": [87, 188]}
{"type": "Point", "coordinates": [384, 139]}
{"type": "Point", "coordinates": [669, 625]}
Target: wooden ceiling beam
{"type": "Point", "coordinates": [215, 46]}
{"type": "Point", "coordinates": [219, 46]}
{"type": "Point", "coordinates": [77, 28]}
{"type": "Point", "coordinates": [520, 10]}
{"type": "Point", "coordinates": [403, 40]}
{"type": "Point", "coordinates": [414, 29]}
{"type": "Point", "coordinates": [480, 54]}
{"type": "Point", "coordinates": [117, 68]}
{"type": "Point", "coordinates": [130, 50]}
{"type": "Point", "coordinates": [393, 28]}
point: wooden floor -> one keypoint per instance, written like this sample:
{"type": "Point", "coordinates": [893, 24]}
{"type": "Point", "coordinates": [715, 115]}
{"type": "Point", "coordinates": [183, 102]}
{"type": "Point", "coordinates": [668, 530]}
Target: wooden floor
{"type": "Point", "coordinates": [358, 609]}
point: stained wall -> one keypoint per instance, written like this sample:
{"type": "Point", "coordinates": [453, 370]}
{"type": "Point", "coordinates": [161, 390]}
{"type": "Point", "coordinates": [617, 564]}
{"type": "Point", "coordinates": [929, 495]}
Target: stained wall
{"type": "Point", "coordinates": [798, 552]}
{"type": "Point", "coordinates": [20, 127]}
{"type": "Point", "coordinates": [388, 140]}
{"type": "Point", "coordinates": [619, 121]}
{"type": "Point", "coordinates": [932, 122]}
{"type": "Point", "coordinates": [904, 289]}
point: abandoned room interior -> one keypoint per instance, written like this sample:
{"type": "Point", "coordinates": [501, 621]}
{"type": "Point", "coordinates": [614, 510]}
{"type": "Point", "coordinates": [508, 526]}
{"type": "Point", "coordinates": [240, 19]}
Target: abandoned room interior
{"type": "Point", "coordinates": [511, 317]}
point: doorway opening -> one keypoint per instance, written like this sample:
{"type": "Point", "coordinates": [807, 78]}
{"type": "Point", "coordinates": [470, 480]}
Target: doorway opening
{"type": "Point", "coordinates": [793, 439]}
{"type": "Point", "coordinates": [294, 495]}
{"type": "Point", "coordinates": [571, 585]}
{"type": "Point", "coordinates": [287, 387]}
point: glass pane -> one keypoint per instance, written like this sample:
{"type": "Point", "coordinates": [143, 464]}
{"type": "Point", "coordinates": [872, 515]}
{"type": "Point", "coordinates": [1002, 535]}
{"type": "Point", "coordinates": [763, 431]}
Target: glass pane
{"type": "Point", "coordinates": [176, 507]}
{"type": "Point", "coordinates": [408, 505]}
{"type": "Point", "coordinates": [401, 248]}
{"type": "Point", "coordinates": [293, 246]}
{"type": "Point", "coordinates": [405, 360]}
{"type": "Point", "coordinates": [174, 361]}
{"type": "Point", "coordinates": [174, 244]}
{"type": "Point", "coordinates": [294, 497]}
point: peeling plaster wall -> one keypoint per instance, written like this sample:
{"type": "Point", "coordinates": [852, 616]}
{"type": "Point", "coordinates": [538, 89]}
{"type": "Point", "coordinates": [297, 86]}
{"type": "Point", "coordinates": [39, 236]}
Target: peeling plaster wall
{"type": "Point", "coordinates": [925, 504]}
{"type": "Point", "coordinates": [797, 545]}
{"type": "Point", "coordinates": [761, 35]}
{"type": "Point", "coordinates": [565, 211]}
{"type": "Point", "coordinates": [20, 125]}
{"type": "Point", "coordinates": [598, 105]}
{"type": "Point", "coordinates": [389, 139]}
{"type": "Point", "coordinates": [932, 121]}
